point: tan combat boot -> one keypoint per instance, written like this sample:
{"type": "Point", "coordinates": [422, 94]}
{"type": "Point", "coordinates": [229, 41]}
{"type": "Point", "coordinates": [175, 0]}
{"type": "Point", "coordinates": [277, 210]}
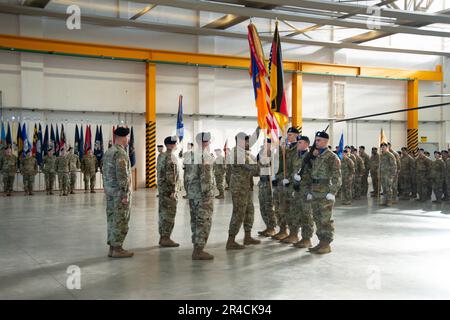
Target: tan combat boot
{"type": "Point", "coordinates": [248, 240]}
{"type": "Point", "coordinates": [324, 249]}
{"type": "Point", "coordinates": [293, 238]}
{"type": "Point", "coordinates": [119, 252]}
{"type": "Point", "coordinates": [280, 235]}
{"type": "Point", "coordinates": [304, 243]}
{"type": "Point", "coordinates": [269, 232]}
{"type": "Point", "coordinates": [199, 254]}
{"type": "Point", "coordinates": [165, 241]}
{"type": "Point", "coordinates": [317, 247]}
{"type": "Point", "coordinates": [233, 245]}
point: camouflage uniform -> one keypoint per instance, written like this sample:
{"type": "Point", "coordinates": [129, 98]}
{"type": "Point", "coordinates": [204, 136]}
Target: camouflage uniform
{"type": "Point", "coordinates": [374, 166]}
{"type": "Point", "coordinates": [438, 175]}
{"type": "Point", "coordinates": [8, 167]}
{"type": "Point", "coordinates": [413, 178]}
{"type": "Point", "coordinates": [117, 186]}
{"type": "Point", "coordinates": [292, 218]}
{"type": "Point", "coordinates": [405, 175]}
{"type": "Point", "coordinates": [74, 165]}
{"type": "Point", "coordinates": [348, 170]}
{"type": "Point", "coordinates": [200, 192]}
{"type": "Point", "coordinates": [359, 173]}
{"type": "Point", "coordinates": [62, 168]}
{"type": "Point", "coordinates": [396, 175]}
{"type": "Point", "coordinates": [167, 186]}
{"type": "Point", "coordinates": [364, 179]}
{"type": "Point", "coordinates": [265, 192]}
{"type": "Point", "coordinates": [187, 158]}
{"type": "Point", "coordinates": [447, 174]}
{"type": "Point", "coordinates": [388, 169]}
{"type": "Point", "coordinates": [326, 178]}
{"type": "Point", "coordinates": [89, 167]}
{"type": "Point", "coordinates": [219, 174]}
{"type": "Point", "coordinates": [29, 169]}
{"type": "Point", "coordinates": [423, 169]}
{"type": "Point", "coordinates": [229, 162]}
{"type": "Point", "coordinates": [49, 169]}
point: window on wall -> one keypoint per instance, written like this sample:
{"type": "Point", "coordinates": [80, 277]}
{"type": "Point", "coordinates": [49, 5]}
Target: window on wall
{"type": "Point", "coordinates": [339, 99]}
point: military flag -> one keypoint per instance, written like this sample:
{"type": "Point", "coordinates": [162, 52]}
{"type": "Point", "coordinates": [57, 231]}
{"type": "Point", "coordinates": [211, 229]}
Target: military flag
{"type": "Point", "coordinates": [3, 135]}
{"type": "Point", "coordinates": [39, 150]}
{"type": "Point", "coordinates": [19, 141]}
{"type": "Point", "coordinates": [52, 139]}
{"type": "Point", "coordinates": [45, 141]}
{"type": "Point", "coordinates": [35, 140]}
{"type": "Point", "coordinates": [180, 125]}
{"type": "Point", "coordinates": [81, 144]}
{"type": "Point", "coordinates": [131, 150]}
{"type": "Point", "coordinates": [382, 137]}
{"type": "Point", "coordinates": [341, 147]}
{"type": "Point", "coordinates": [25, 142]}
{"type": "Point", "coordinates": [98, 145]}
{"type": "Point", "coordinates": [57, 146]}
{"type": "Point", "coordinates": [9, 136]}
{"type": "Point", "coordinates": [62, 141]}
{"type": "Point", "coordinates": [87, 139]}
{"type": "Point", "coordinates": [76, 141]}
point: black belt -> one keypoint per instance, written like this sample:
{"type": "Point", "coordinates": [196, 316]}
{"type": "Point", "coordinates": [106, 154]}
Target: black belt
{"type": "Point", "coordinates": [319, 181]}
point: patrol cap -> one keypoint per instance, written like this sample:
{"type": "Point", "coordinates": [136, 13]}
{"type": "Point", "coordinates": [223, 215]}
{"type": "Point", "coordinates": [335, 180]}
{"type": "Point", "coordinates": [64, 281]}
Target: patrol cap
{"type": "Point", "coordinates": [203, 137]}
{"type": "Point", "coordinates": [170, 140]}
{"type": "Point", "coordinates": [322, 134]}
{"type": "Point", "coordinates": [293, 130]}
{"type": "Point", "coordinates": [303, 138]}
{"type": "Point", "coordinates": [122, 131]}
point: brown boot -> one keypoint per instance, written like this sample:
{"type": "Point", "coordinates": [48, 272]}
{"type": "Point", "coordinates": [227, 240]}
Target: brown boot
{"type": "Point", "coordinates": [269, 232]}
{"type": "Point", "coordinates": [324, 249]}
{"type": "Point", "coordinates": [314, 249]}
{"type": "Point", "coordinates": [280, 235]}
{"type": "Point", "coordinates": [199, 254]}
{"type": "Point", "coordinates": [165, 241]}
{"type": "Point", "coordinates": [119, 252]}
{"type": "Point", "coordinates": [248, 240]}
{"type": "Point", "coordinates": [293, 238]}
{"type": "Point", "coordinates": [110, 252]}
{"type": "Point", "coordinates": [304, 243]}
{"type": "Point", "coordinates": [233, 245]}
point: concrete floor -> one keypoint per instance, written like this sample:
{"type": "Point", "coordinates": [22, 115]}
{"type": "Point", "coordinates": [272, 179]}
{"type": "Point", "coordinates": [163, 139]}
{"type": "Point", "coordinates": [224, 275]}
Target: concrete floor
{"type": "Point", "coordinates": [379, 253]}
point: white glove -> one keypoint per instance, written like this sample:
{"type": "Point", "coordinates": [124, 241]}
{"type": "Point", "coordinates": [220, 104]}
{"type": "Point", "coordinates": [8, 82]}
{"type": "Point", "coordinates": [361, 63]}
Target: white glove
{"type": "Point", "coordinates": [285, 182]}
{"type": "Point", "coordinates": [297, 178]}
{"type": "Point", "coordinates": [330, 197]}
{"type": "Point", "coordinates": [309, 197]}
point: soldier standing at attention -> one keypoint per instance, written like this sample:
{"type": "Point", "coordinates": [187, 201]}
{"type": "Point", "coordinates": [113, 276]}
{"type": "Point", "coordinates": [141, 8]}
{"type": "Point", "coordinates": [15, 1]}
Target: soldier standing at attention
{"type": "Point", "coordinates": [200, 192]}
{"type": "Point", "coordinates": [49, 169]}
{"type": "Point", "coordinates": [438, 174]}
{"type": "Point", "coordinates": [228, 163]}
{"type": "Point", "coordinates": [117, 186]}
{"type": "Point", "coordinates": [388, 169]}
{"type": "Point", "coordinates": [74, 165]}
{"type": "Point", "coordinates": [399, 166]}
{"type": "Point", "coordinates": [89, 166]}
{"type": "Point", "coordinates": [447, 174]}
{"type": "Point", "coordinates": [160, 149]}
{"type": "Point", "coordinates": [444, 158]}
{"type": "Point", "coordinates": [374, 166]}
{"type": "Point", "coordinates": [364, 179]}
{"type": "Point", "coordinates": [359, 173]}
{"type": "Point", "coordinates": [326, 181]}
{"type": "Point", "coordinates": [348, 170]}
{"type": "Point", "coordinates": [219, 173]}
{"type": "Point", "coordinates": [8, 167]}
{"type": "Point", "coordinates": [413, 176]}
{"type": "Point", "coordinates": [423, 170]}
{"type": "Point", "coordinates": [429, 179]}
{"type": "Point", "coordinates": [167, 187]}
{"type": "Point", "coordinates": [243, 170]}
{"type": "Point", "coordinates": [62, 168]}
{"type": "Point", "coordinates": [29, 169]}
{"type": "Point", "coordinates": [406, 172]}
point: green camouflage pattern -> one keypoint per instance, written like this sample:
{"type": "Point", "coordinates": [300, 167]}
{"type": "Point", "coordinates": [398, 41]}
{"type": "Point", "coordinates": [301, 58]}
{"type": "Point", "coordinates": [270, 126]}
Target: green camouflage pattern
{"type": "Point", "coordinates": [167, 187]}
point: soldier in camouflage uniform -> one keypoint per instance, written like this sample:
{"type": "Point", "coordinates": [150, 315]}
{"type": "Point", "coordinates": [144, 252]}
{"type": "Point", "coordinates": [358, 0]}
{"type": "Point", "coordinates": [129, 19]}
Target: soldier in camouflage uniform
{"type": "Point", "coordinates": [397, 174]}
{"type": "Point", "coordinates": [348, 170]}
{"type": "Point", "coordinates": [406, 172]}
{"type": "Point", "coordinates": [388, 169]}
{"type": "Point", "coordinates": [447, 174]}
{"type": "Point", "coordinates": [429, 179]}
{"type": "Point", "coordinates": [301, 211]}
{"type": "Point", "coordinates": [265, 190]}
{"type": "Point", "coordinates": [8, 167]}
{"type": "Point", "coordinates": [200, 192]}
{"type": "Point", "coordinates": [444, 186]}
{"type": "Point", "coordinates": [167, 186]}
{"type": "Point", "coordinates": [89, 166]}
{"type": "Point", "coordinates": [49, 170]}
{"type": "Point", "coordinates": [219, 173]}
{"type": "Point", "coordinates": [326, 181]}
{"type": "Point", "coordinates": [359, 173]}
{"type": "Point", "coordinates": [364, 179]}
{"type": "Point", "coordinates": [29, 169]}
{"type": "Point", "coordinates": [413, 176]}
{"type": "Point", "coordinates": [160, 149]}
{"type": "Point", "coordinates": [117, 186]}
{"type": "Point", "coordinates": [438, 174]}
{"type": "Point", "coordinates": [62, 168]}
{"type": "Point", "coordinates": [243, 169]}
{"type": "Point", "coordinates": [74, 165]}
{"type": "Point", "coordinates": [229, 162]}
{"type": "Point", "coordinates": [186, 156]}
{"type": "Point", "coordinates": [374, 167]}
{"type": "Point", "coordinates": [423, 170]}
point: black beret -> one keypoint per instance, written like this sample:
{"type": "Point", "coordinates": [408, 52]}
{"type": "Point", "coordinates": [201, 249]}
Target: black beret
{"type": "Point", "coordinates": [383, 144]}
{"type": "Point", "coordinates": [322, 134]}
{"type": "Point", "coordinates": [345, 151]}
{"type": "Point", "coordinates": [170, 140]}
{"type": "Point", "coordinates": [203, 137]}
{"type": "Point", "coordinates": [421, 149]}
{"type": "Point", "coordinates": [444, 151]}
{"type": "Point", "coordinates": [438, 152]}
{"type": "Point", "coordinates": [122, 131]}
{"type": "Point", "coordinates": [362, 147]}
{"type": "Point", "coordinates": [268, 140]}
{"type": "Point", "coordinates": [293, 130]}
{"type": "Point", "coordinates": [160, 146]}
{"type": "Point", "coordinates": [304, 138]}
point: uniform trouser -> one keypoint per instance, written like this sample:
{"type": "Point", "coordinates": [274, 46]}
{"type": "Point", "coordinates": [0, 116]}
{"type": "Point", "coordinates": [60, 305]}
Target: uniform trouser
{"type": "Point", "coordinates": [422, 186]}
{"type": "Point", "coordinates": [413, 186]}
{"type": "Point", "coordinates": [89, 180]}
{"type": "Point", "coordinates": [347, 188]}
{"type": "Point", "coordinates": [429, 188]}
{"type": "Point", "coordinates": [404, 181]}
{"type": "Point", "coordinates": [243, 211]}
{"type": "Point", "coordinates": [228, 177]}
{"type": "Point", "coordinates": [364, 185]}
{"type": "Point", "coordinates": [266, 204]}
{"type": "Point", "coordinates": [63, 180]}
{"type": "Point", "coordinates": [357, 186]}
{"type": "Point", "coordinates": [437, 188]}
{"type": "Point", "coordinates": [117, 218]}
{"type": "Point", "coordinates": [375, 185]}
{"type": "Point", "coordinates": [167, 210]}
{"type": "Point", "coordinates": [302, 210]}
{"type": "Point", "coordinates": [8, 182]}
{"type": "Point", "coordinates": [387, 184]}
{"type": "Point", "coordinates": [28, 182]}
{"type": "Point", "coordinates": [49, 181]}
{"type": "Point", "coordinates": [277, 204]}
{"type": "Point", "coordinates": [395, 185]}
{"type": "Point", "coordinates": [323, 213]}
{"type": "Point", "coordinates": [444, 189]}
{"type": "Point", "coordinates": [201, 218]}
{"type": "Point", "coordinates": [219, 183]}
{"type": "Point", "coordinates": [73, 181]}
{"type": "Point", "coordinates": [286, 209]}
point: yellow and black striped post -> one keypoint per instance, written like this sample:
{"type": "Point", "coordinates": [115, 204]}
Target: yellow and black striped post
{"type": "Point", "coordinates": [297, 117]}
{"type": "Point", "coordinates": [413, 117]}
{"type": "Point", "coordinates": [150, 124]}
